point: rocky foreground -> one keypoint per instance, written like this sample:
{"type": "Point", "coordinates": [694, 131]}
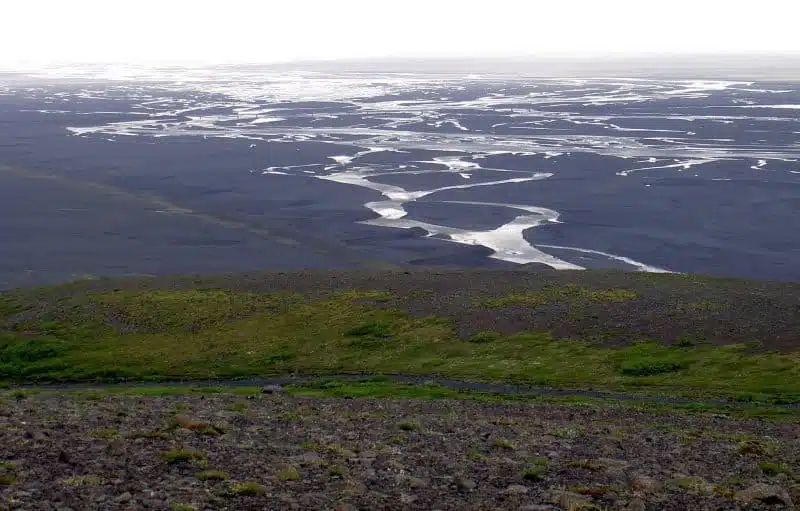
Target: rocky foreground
{"type": "Point", "coordinates": [90, 451]}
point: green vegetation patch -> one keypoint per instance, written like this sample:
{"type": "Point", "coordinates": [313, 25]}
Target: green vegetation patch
{"type": "Point", "coordinates": [183, 455]}
{"type": "Point", "coordinates": [212, 475]}
{"type": "Point", "coordinates": [189, 310]}
{"type": "Point", "coordinates": [83, 480]}
{"type": "Point", "coordinates": [211, 334]}
{"type": "Point", "coordinates": [246, 489]}
{"type": "Point", "coordinates": [570, 293]}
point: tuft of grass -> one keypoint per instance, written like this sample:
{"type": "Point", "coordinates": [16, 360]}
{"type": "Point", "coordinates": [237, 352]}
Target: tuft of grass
{"type": "Point", "coordinates": [338, 450]}
{"type": "Point", "coordinates": [756, 447]}
{"type": "Point", "coordinates": [597, 491]}
{"type": "Point", "coordinates": [198, 426]}
{"type": "Point", "coordinates": [571, 294]}
{"type": "Point", "coordinates": [7, 479]}
{"type": "Point", "coordinates": [503, 443]}
{"type": "Point", "coordinates": [311, 446]}
{"type": "Point", "coordinates": [83, 480]}
{"type": "Point", "coordinates": [212, 475]}
{"type": "Point", "coordinates": [693, 485]}
{"type": "Point", "coordinates": [485, 337]}
{"type": "Point", "coordinates": [539, 461]}
{"type": "Point", "coordinates": [290, 416]}
{"type": "Point", "coordinates": [534, 473]}
{"type": "Point", "coordinates": [685, 340]}
{"type": "Point", "coordinates": [336, 471]}
{"type": "Point", "coordinates": [651, 367]}
{"type": "Point", "coordinates": [566, 432]}
{"type": "Point", "coordinates": [772, 469]}
{"type": "Point", "coordinates": [239, 407]}
{"type": "Point", "coordinates": [398, 439]}
{"type": "Point", "coordinates": [408, 426]}
{"type": "Point", "coordinates": [590, 465]}
{"type": "Point", "coordinates": [724, 491]}
{"type": "Point", "coordinates": [289, 473]}
{"type": "Point", "coordinates": [182, 507]}
{"type": "Point", "coordinates": [150, 435]}
{"type": "Point", "coordinates": [183, 455]}
{"type": "Point", "coordinates": [246, 489]}
{"type": "Point", "coordinates": [474, 454]}
{"type": "Point", "coordinates": [503, 421]}
{"type": "Point", "coordinates": [371, 329]}
{"type": "Point", "coordinates": [107, 433]}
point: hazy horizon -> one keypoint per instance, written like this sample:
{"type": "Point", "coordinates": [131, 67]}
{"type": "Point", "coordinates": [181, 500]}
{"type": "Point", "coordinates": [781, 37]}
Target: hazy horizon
{"type": "Point", "coordinates": [751, 67]}
{"type": "Point", "coordinates": [49, 32]}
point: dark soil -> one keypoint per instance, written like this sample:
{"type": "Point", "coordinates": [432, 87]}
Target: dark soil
{"type": "Point", "coordinates": [667, 308]}
{"type": "Point", "coordinates": [101, 452]}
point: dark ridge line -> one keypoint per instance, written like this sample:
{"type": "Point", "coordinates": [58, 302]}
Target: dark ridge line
{"type": "Point", "coordinates": [449, 383]}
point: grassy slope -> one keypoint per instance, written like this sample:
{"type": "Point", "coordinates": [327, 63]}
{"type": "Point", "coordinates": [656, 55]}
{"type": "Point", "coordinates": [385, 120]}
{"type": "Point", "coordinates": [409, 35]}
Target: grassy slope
{"type": "Point", "coordinates": [114, 331]}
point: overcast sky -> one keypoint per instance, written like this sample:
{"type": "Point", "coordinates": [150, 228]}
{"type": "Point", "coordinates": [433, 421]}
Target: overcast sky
{"type": "Point", "coordinates": [41, 31]}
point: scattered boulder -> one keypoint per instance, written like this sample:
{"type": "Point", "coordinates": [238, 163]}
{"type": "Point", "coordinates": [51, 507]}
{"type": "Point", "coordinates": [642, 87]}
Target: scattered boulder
{"type": "Point", "coordinates": [516, 489]}
{"type": "Point", "coordinates": [570, 501]}
{"type": "Point", "coordinates": [765, 494]}
{"type": "Point", "coordinates": [186, 423]}
{"type": "Point", "coordinates": [272, 389]}
{"type": "Point", "coordinates": [636, 504]}
{"type": "Point", "coordinates": [645, 484]}
{"type": "Point", "coordinates": [407, 499]}
{"type": "Point", "coordinates": [309, 458]}
{"type": "Point", "coordinates": [794, 492]}
{"type": "Point", "coordinates": [464, 484]}
{"type": "Point", "coordinates": [417, 483]}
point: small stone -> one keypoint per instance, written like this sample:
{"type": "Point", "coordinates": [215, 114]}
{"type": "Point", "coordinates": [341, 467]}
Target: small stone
{"type": "Point", "coordinates": [794, 492]}
{"type": "Point", "coordinates": [464, 484]}
{"type": "Point", "coordinates": [766, 494]}
{"type": "Point", "coordinates": [417, 483]}
{"type": "Point", "coordinates": [646, 484]}
{"type": "Point", "coordinates": [569, 500]}
{"type": "Point", "coordinates": [309, 458]}
{"type": "Point", "coordinates": [28, 435]}
{"type": "Point", "coordinates": [271, 389]}
{"type": "Point", "coordinates": [407, 499]}
{"type": "Point", "coordinates": [125, 497]}
{"type": "Point", "coordinates": [516, 489]}
{"type": "Point", "coordinates": [636, 504]}
{"type": "Point", "coordinates": [536, 507]}
{"type": "Point", "coordinates": [362, 461]}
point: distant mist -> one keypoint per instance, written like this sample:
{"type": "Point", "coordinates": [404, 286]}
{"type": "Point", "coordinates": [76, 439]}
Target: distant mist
{"type": "Point", "coordinates": [736, 67]}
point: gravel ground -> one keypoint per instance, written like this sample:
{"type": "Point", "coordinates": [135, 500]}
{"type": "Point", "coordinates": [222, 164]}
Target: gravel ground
{"type": "Point", "coordinates": [89, 451]}
{"type": "Point", "coordinates": [666, 307]}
